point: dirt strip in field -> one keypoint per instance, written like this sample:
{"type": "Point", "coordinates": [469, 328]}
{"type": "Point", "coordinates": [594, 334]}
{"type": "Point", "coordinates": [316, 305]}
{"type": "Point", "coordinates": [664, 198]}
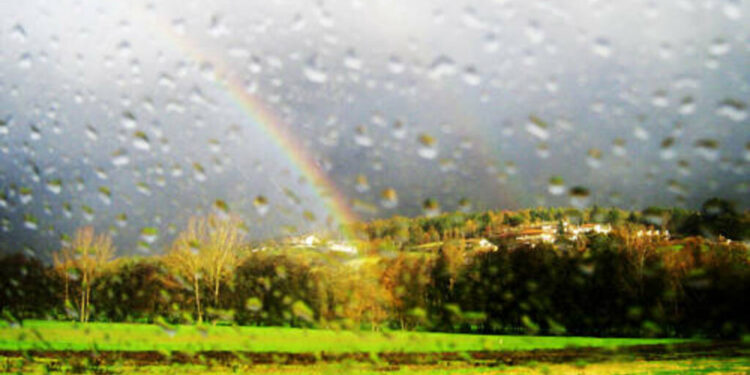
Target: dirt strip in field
{"type": "Point", "coordinates": [487, 358]}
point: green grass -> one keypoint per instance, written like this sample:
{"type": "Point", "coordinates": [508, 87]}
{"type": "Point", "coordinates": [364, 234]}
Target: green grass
{"type": "Point", "coordinates": [49, 335]}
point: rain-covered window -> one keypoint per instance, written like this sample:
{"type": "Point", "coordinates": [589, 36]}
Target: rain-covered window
{"type": "Point", "coordinates": [374, 185]}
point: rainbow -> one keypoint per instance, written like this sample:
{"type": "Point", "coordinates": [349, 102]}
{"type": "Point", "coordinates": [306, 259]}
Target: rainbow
{"type": "Point", "coordinates": [336, 203]}
{"type": "Point", "coordinates": [276, 129]}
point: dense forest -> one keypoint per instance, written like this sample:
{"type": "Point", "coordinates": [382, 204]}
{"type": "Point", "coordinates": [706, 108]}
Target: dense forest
{"type": "Point", "coordinates": [692, 279]}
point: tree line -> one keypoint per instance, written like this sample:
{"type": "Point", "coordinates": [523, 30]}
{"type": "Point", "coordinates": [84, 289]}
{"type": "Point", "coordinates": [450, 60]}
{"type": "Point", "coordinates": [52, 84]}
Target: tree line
{"type": "Point", "coordinates": [616, 284]}
{"type": "Point", "coordinates": [716, 218]}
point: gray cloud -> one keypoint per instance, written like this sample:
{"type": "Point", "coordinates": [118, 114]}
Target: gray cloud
{"type": "Point", "coordinates": [126, 104]}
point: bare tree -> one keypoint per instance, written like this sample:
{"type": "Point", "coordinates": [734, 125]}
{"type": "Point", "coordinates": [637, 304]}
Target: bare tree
{"type": "Point", "coordinates": [63, 264]}
{"type": "Point", "coordinates": [206, 250]}
{"type": "Point", "coordinates": [222, 242]}
{"type": "Point", "coordinates": [184, 257]}
{"type": "Point", "coordinates": [87, 254]}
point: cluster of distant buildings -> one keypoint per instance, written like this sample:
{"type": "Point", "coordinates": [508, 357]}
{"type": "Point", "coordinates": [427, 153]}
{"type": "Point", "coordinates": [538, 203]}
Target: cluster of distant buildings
{"type": "Point", "coordinates": [548, 232]}
{"type": "Point", "coordinates": [551, 232]}
{"type": "Point", "coordinates": [312, 241]}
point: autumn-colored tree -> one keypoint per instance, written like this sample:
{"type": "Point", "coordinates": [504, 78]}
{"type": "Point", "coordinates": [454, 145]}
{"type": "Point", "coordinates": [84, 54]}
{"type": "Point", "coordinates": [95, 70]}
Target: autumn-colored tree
{"type": "Point", "coordinates": [63, 263]}
{"type": "Point", "coordinates": [454, 254]}
{"type": "Point", "coordinates": [394, 291]}
{"type": "Point", "coordinates": [222, 245]}
{"type": "Point", "coordinates": [206, 250]}
{"type": "Point", "coordinates": [184, 259]}
{"type": "Point", "coordinates": [361, 295]}
{"type": "Point", "coordinates": [405, 279]}
{"type": "Point", "coordinates": [86, 254]}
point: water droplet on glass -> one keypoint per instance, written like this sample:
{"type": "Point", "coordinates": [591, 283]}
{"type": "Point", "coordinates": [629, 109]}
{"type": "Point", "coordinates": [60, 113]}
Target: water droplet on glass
{"type": "Point", "coordinates": [140, 141]}
{"type": "Point", "coordinates": [361, 138]}
{"type": "Point", "coordinates": [143, 188]}
{"type": "Point", "coordinates": [399, 129]}
{"type": "Point", "coordinates": [442, 66]}
{"type": "Point", "coordinates": [91, 133]}
{"type": "Point", "coordinates": [121, 220]}
{"type": "Point", "coordinates": [708, 149]}
{"type": "Point", "coordinates": [471, 76]}
{"type": "Point", "coordinates": [88, 212]}
{"type": "Point", "coordinates": [120, 157]}
{"type": "Point", "coordinates": [217, 28]}
{"type": "Point", "coordinates": [67, 210]}
{"type": "Point", "coordinates": [389, 198]}
{"type": "Point", "coordinates": [594, 157]}
{"type": "Point", "coordinates": [351, 60]}
{"type": "Point", "coordinates": [395, 65]}
{"type": "Point", "coordinates": [683, 167]}
{"type": "Point", "coordinates": [428, 146]}
{"type": "Point", "coordinates": [199, 173]}
{"type": "Point", "coordinates": [534, 32]}
{"type": "Point", "coordinates": [491, 44]}
{"type": "Point", "coordinates": [24, 61]}
{"type": "Point", "coordinates": [123, 48]}
{"type": "Point", "coordinates": [261, 205]}
{"type": "Point", "coordinates": [732, 109]}
{"type": "Point", "coordinates": [641, 133]}
{"type": "Point", "coordinates": [18, 33]}
{"type": "Point", "coordinates": [602, 47]}
{"type": "Point", "coordinates": [542, 150]}
{"type": "Point", "coordinates": [361, 184]}
{"type": "Point", "coordinates": [208, 72]}
{"type": "Point", "coordinates": [253, 304]}
{"type": "Point", "coordinates": [149, 234]}
{"type": "Point", "coordinates": [579, 196]}
{"type": "Point", "coordinates": [660, 99]}
{"type": "Point", "coordinates": [54, 186]}
{"type": "Point", "coordinates": [731, 9]}
{"type": "Point", "coordinates": [128, 120]}
{"type": "Point", "coordinates": [537, 127]}
{"type": "Point", "coordinates": [36, 133]}
{"type": "Point", "coordinates": [25, 195]}
{"type": "Point", "coordinates": [314, 71]}
{"type": "Point", "coordinates": [105, 194]}
{"type": "Point", "coordinates": [667, 148]}
{"type": "Point", "coordinates": [30, 222]}
{"type": "Point", "coordinates": [464, 205]}
{"type": "Point", "coordinates": [676, 187]}
{"type": "Point", "coordinates": [4, 126]}
{"type": "Point", "coordinates": [221, 206]}
{"type": "Point", "coordinates": [719, 47]}
{"type": "Point", "coordinates": [687, 105]}
{"type": "Point", "coordinates": [556, 185]}
{"type": "Point", "coordinates": [431, 207]}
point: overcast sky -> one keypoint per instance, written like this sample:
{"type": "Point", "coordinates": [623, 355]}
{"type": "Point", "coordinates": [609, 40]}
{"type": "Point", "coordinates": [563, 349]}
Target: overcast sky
{"type": "Point", "coordinates": [127, 115]}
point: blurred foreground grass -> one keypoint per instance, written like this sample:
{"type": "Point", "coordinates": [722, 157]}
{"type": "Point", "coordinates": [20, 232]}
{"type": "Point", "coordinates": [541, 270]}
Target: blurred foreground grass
{"type": "Point", "coordinates": [685, 366]}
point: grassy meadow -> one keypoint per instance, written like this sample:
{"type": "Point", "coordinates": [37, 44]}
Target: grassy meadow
{"type": "Point", "coordinates": [53, 335]}
{"type": "Point", "coordinates": [44, 347]}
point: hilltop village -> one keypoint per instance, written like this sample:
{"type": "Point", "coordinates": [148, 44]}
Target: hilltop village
{"type": "Point", "coordinates": [558, 234]}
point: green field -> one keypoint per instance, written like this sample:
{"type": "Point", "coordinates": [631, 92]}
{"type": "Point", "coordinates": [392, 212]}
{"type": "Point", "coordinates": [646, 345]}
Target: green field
{"type": "Point", "coordinates": [118, 348]}
{"type": "Point", "coordinates": [45, 347]}
{"type": "Point", "coordinates": [47, 335]}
